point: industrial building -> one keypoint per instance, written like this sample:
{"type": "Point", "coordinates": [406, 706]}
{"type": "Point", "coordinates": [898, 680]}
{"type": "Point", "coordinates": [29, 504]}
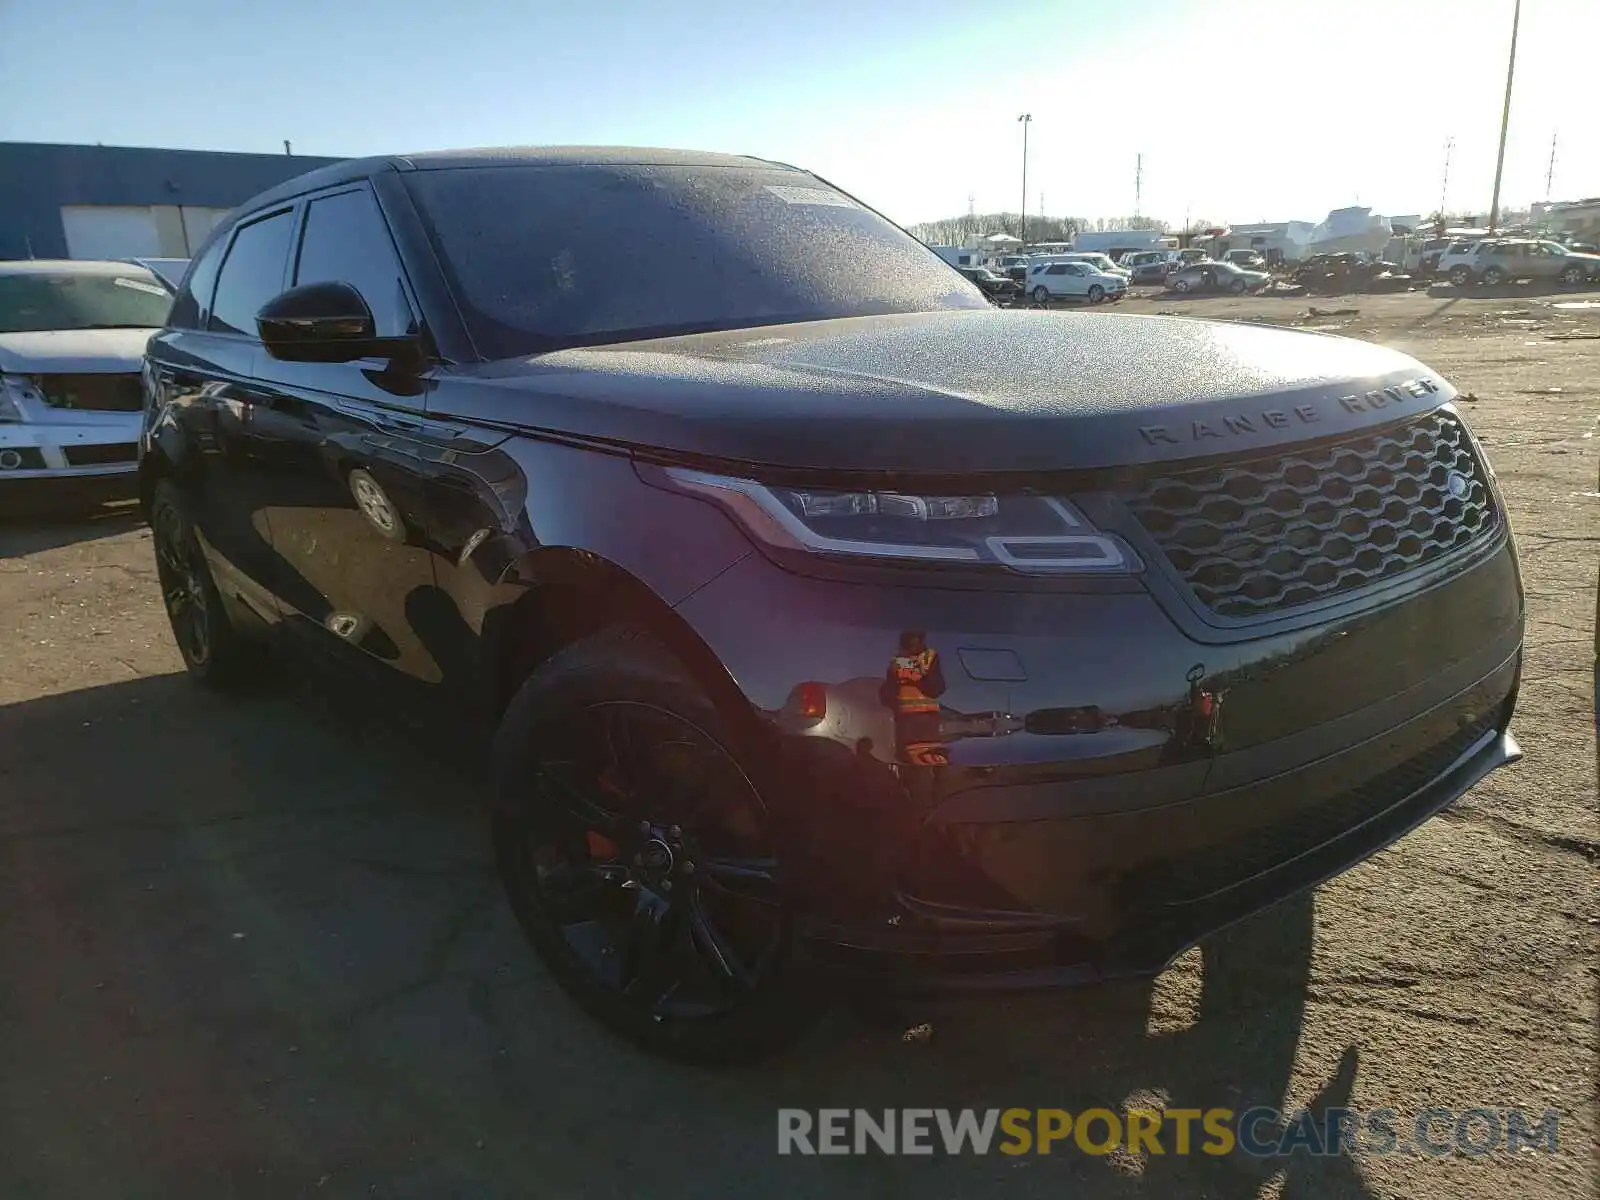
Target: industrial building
{"type": "Point", "coordinates": [60, 201]}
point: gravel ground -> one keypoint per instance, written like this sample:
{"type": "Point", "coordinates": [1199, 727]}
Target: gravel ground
{"type": "Point", "coordinates": [253, 947]}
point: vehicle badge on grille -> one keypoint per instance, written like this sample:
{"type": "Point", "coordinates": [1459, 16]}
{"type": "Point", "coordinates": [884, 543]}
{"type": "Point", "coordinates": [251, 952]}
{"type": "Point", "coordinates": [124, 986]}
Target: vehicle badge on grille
{"type": "Point", "coordinates": [1457, 485]}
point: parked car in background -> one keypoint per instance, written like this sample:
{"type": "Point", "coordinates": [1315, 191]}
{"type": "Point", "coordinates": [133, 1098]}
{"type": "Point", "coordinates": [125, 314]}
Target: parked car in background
{"type": "Point", "coordinates": [1152, 272]}
{"type": "Point", "coordinates": [1249, 260]}
{"type": "Point", "coordinates": [168, 270]}
{"type": "Point", "coordinates": [1074, 280]}
{"type": "Point", "coordinates": [999, 288]}
{"type": "Point", "coordinates": [72, 338]}
{"type": "Point", "coordinates": [1350, 271]}
{"type": "Point", "coordinates": [1510, 259]}
{"type": "Point", "coordinates": [741, 551]}
{"type": "Point", "coordinates": [1458, 262]}
{"type": "Point", "coordinates": [1217, 277]}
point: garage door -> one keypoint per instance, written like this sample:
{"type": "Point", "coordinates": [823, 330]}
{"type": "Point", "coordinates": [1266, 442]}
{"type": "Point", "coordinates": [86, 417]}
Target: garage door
{"type": "Point", "coordinates": [106, 231]}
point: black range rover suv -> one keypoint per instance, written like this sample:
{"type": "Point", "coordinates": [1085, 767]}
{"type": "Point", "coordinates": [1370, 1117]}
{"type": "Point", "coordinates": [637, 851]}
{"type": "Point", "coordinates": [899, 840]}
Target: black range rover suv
{"type": "Point", "coordinates": [834, 623]}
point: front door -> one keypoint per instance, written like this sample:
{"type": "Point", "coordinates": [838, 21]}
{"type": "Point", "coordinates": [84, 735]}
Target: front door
{"type": "Point", "coordinates": [202, 376]}
{"type": "Point", "coordinates": [348, 450]}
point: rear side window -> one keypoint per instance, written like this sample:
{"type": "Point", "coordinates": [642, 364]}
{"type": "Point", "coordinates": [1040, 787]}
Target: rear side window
{"type": "Point", "coordinates": [252, 274]}
{"type": "Point", "coordinates": [346, 241]}
{"type": "Point", "coordinates": [1058, 269]}
{"type": "Point", "coordinates": [195, 298]}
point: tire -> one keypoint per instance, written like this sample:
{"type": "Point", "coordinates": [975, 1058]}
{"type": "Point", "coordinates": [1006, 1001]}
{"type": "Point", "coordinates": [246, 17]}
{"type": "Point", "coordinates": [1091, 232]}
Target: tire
{"type": "Point", "coordinates": [213, 652]}
{"type": "Point", "coordinates": [1180, 286]}
{"type": "Point", "coordinates": [1096, 293]}
{"type": "Point", "coordinates": [1041, 294]}
{"type": "Point", "coordinates": [1573, 276]}
{"type": "Point", "coordinates": [1494, 277]}
{"type": "Point", "coordinates": [1460, 276]}
{"type": "Point", "coordinates": [1237, 287]}
{"type": "Point", "coordinates": [373, 503]}
{"type": "Point", "coordinates": [641, 904]}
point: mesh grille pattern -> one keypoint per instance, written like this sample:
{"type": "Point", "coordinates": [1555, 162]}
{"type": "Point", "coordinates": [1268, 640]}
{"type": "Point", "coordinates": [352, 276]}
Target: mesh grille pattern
{"type": "Point", "coordinates": [1253, 538]}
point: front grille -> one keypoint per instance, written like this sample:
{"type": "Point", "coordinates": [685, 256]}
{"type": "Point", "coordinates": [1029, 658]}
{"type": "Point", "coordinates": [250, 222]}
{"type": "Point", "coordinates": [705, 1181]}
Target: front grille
{"type": "Point", "coordinates": [94, 393]}
{"type": "Point", "coordinates": [1254, 538]}
{"type": "Point", "coordinates": [94, 456]}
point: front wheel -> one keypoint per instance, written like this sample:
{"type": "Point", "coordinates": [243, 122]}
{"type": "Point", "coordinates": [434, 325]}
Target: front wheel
{"type": "Point", "coordinates": [1572, 276]}
{"type": "Point", "coordinates": [1180, 286]}
{"type": "Point", "coordinates": [1041, 295]}
{"type": "Point", "coordinates": [1237, 287]}
{"type": "Point", "coordinates": [1096, 293]}
{"type": "Point", "coordinates": [636, 852]}
{"type": "Point", "coordinates": [213, 653]}
{"type": "Point", "coordinates": [1494, 277]}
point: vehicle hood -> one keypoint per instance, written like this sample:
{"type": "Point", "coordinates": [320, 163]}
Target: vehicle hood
{"type": "Point", "coordinates": [988, 390]}
{"type": "Point", "coordinates": [73, 351]}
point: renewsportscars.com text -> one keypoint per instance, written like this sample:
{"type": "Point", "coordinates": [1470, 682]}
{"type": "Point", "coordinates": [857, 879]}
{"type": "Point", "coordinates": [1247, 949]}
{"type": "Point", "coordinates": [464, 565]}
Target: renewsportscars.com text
{"type": "Point", "coordinates": [1259, 1132]}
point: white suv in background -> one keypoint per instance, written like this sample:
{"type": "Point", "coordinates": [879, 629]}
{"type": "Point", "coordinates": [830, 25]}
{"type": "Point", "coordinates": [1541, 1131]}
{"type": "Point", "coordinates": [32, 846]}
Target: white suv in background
{"type": "Point", "coordinates": [1460, 261]}
{"type": "Point", "coordinates": [1054, 280]}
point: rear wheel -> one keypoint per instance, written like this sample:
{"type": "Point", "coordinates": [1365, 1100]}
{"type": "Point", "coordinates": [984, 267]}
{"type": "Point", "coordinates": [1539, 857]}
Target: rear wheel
{"type": "Point", "coordinates": [1041, 294]}
{"type": "Point", "coordinates": [1460, 276]}
{"type": "Point", "coordinates": [1494, 277]}
{"type": "Point", "coordinates": [1180, 285]}
{"type": "Point", "coordinates": [1237, 287]}
{"type": "Point", "coordinates": [636, 852]}
{"type": "Point", "coordinates": [1572, 276]}
{"type": "Point", "coordinates": [1096, 293]}
{"type": "Point", "coordinates": [213, 652]}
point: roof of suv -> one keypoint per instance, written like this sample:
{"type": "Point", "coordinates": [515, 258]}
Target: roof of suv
{"type": "Point", "coordinates": [504, 156]}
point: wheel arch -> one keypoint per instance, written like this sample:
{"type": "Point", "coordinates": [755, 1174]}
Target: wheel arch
{"type": "Point", "coordinates": [556, 595]}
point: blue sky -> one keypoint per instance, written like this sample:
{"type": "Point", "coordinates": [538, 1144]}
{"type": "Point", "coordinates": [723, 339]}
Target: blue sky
{"type": "Point", "coordinates": [1244, 109]}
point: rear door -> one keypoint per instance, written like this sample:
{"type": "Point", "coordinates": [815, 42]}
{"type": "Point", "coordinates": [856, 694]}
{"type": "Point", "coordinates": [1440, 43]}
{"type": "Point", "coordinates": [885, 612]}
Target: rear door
{"type": "Point", "coordinates": [201, 378]}
{"type": "Point", "coordinates": [351, 451]}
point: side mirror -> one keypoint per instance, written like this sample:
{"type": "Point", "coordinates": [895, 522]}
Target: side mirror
{"type": "Point", "coordinates": [324, 322]}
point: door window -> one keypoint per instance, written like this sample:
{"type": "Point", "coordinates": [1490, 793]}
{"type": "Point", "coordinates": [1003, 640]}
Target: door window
{"type": "Point", "coordinates": [1058, 269]}
{"type": "Point", "coordinates": [346, 241]}
{"type": "Point", "coordinates": [195, 298]}
{"type": "Point", "coordinates": [252, 274]}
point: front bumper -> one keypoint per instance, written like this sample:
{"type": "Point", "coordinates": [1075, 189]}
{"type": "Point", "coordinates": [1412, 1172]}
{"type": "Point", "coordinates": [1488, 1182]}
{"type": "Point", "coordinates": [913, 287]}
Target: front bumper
{"type": "Point", "coordinates": [1091, 812]}
{"type": "Point", "coordinates": [89, 448]}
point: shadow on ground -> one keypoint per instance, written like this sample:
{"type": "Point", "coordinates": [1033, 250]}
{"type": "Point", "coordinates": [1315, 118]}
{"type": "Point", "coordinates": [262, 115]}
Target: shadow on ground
{"type": "Point", "coordinates": [253, 947]}
{"type": "Point", "coordinates": [27, 528]}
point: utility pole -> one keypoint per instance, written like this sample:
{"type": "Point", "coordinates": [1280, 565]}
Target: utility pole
{"type": "Point", "coordinates": [1138, 183]}
{"type": "Point", "coordinates": [1027, 119]}
{"type": "Point", "coordinates": [1550, 171]}
{"type": "Point", "coordinates": [1444, 186]}
{"type": "Point", "coordinates": [1505, 118]}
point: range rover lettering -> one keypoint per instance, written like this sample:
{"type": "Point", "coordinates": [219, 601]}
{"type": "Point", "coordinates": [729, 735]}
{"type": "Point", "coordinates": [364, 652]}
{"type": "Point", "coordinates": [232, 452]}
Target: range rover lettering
{"type": "Point", "coordinates": [835, 626]}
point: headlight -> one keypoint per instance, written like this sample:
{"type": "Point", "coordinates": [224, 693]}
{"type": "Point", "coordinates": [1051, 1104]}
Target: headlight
{"type": "Point", "coordinates": [1034, 535]}
{"type": "Point", "coordinates": [13, 390]}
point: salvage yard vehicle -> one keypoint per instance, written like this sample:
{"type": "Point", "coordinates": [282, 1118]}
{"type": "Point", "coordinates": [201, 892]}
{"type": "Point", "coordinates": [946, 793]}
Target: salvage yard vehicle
{"type": "Point", "coordinates": [1206, 277]}
{"type": "Point", "coordinates": [72, 337]}
{"type": "Point", "coordinates": [998, 288]}
{"type": "Point", "coordinates": [1074, 280]}
{"type": "Point", "coordinates": [840, 629]}
{"type": "Point", "coordinates": [1509, 259]}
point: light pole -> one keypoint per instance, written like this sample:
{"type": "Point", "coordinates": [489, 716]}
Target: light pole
{"type": "Point", "coordinates": [1505, 118]}
{"type": "Point", "coordinates": [1027, 119]}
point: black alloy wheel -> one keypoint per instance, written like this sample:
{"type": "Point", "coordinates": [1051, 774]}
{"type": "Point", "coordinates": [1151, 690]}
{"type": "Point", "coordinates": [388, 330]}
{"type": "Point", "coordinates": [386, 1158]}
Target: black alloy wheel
{"type": "Point", "coordinates": [635, 851]}
{"type": "Point", "coordinates": [212, 652]}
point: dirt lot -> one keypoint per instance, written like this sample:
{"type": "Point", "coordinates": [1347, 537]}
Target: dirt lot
{"type": "Point", "coordinates": [254, 948]}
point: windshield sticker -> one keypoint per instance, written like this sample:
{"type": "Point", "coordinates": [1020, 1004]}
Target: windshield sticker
{"type": "Point", "coordinates": [140, 285]}
{"type": "Point", "coordinates": [804, 195]}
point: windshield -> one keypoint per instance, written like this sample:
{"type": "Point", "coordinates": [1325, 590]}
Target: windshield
{"type": "Point", "coordinates": [542, 257]}
{"type": "Point", "coordinates": [33, 302]}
